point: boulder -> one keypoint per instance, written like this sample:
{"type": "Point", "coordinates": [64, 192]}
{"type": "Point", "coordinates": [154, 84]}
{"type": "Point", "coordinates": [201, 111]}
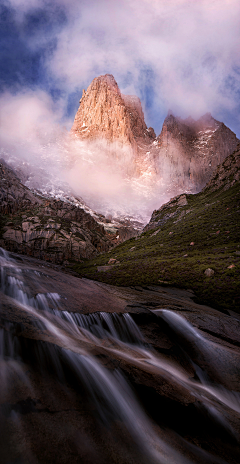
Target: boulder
{"type": "Point", "coordinates": [209, 272]}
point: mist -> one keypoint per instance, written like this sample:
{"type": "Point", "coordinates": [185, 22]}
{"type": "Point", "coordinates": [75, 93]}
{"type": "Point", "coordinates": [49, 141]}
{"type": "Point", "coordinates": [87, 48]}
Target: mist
{"type": "Point", "coordinates": [53, 162]}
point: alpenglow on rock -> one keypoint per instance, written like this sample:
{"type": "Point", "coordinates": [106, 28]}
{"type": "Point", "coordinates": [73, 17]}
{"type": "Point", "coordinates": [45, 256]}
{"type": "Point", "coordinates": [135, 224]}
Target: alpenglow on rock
{"type": "Point", "coordinates": [182, 158]}
{"type": "Point", "coordinates": [105, 112]}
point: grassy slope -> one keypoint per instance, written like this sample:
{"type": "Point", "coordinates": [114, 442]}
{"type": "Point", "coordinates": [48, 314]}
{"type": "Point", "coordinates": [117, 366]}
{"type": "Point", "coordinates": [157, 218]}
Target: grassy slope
{"type": "Point", "coordinates": [160, 257]}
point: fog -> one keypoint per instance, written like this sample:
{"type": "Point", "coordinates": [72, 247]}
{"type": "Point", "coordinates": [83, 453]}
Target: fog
{"type": "Point", "coordinates": [54, 162]}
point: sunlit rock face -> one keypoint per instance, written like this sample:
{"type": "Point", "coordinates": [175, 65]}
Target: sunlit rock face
{"type": "Point", "coordinates": [182, 158]}
{"type": "Point", "coordinates": [105, 113]}
{"type": "Point", "coordinates": [102, 112]}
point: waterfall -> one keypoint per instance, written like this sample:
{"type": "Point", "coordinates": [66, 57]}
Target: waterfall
{"type": "Point", "coordinates": [79, 356]}
{"type": "Point", "coordinates": [105, 325]}
{"type": "Point", "coordinates": [109, 391]}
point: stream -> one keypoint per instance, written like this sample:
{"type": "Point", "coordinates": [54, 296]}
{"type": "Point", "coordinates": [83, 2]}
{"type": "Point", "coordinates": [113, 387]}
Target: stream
{"type": "Point", "coordinates": [97, 387]}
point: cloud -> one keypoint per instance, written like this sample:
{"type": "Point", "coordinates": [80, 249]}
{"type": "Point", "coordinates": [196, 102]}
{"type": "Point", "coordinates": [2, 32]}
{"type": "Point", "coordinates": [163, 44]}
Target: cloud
{"type": "Point", "coordinates": [178, 54]}
{"type": "Point", "coordinates": [27, 117]}
{"type": "Point", "coordinates": [191, 49]}
{"type": "Point", "coordinates": [50, 160]}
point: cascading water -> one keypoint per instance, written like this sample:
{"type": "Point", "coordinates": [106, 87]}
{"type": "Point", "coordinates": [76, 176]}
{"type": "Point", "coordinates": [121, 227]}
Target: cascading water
{"type": "Point", "coordinates": [41, 342]}
{"type": "Point", "coordinates": [104, 325]}
{"type": "Point", "coordinates": [109, 392]}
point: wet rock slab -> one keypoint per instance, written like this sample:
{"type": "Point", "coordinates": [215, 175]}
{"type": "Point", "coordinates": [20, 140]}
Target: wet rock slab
{"type": "Point", "coordinates": [57, 418]}
{"type": "Point", "coordinates": [87, 296]}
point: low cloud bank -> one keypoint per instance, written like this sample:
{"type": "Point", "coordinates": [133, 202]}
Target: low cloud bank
{"type": "Point", "coordinates": [55, 162]}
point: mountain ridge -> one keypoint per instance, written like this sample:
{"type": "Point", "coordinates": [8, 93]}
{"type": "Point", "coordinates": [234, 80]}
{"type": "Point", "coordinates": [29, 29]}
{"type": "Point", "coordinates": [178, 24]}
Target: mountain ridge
{"type": "Point", "coordinates": [182, 157]}
{"type": "Point", "coordinates": [50, 228]}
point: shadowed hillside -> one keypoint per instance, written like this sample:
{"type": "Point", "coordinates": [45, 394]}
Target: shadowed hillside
{"type": "Point", "coordinates": [184, 238]}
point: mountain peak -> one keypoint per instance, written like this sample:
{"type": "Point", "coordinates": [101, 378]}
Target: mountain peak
{"type": "Point", "coordinates": [107, 114]}
{"type": "Point", "coordinates": [195, 148]}
{"type": "Point", "coordinates": [183, 156]}
{"type": "Point", "coordinates": [105, 80]}
{"type": "Point", "coordinates": [207, 117]}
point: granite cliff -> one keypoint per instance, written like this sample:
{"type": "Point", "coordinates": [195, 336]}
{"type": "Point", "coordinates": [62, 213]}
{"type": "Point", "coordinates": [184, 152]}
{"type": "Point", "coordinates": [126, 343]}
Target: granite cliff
{"type": "Point", "coordinates": [182, 158]}
{"type": "Point", "coordinates": [52, 229]}
{"type": "Point", "coordinates": [105, 113]}
{"type": "Point", "coordinates": [191, 150]}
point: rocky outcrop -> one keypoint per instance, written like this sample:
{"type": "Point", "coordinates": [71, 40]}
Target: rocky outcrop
{"type": "Point", "coordinates": [14, 196]}
{"type": "Point", "coordinates": [167, 211]}
{"type": "Point", "coordinates": [227, 173]}
{"type": "Point", "coordinates": [189, 151]}
{"type": "Point", "coordinates": [56, 234]}
{"type": "Point", "coordinates": [49, 229]}
{"type": "Point", "coordinates": [105, 113]}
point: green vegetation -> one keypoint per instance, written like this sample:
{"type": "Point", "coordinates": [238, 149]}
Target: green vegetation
{"type": "Point", "coordinates": [211, 221]}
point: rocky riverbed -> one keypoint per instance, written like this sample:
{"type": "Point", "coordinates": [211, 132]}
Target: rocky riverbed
{"type": "Point", "coordinates": [100, 373]}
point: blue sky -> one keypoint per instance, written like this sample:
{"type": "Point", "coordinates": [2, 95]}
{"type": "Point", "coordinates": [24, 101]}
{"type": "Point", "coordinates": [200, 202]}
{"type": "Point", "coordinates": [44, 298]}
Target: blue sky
{"type": "Point", "coordinates": [178, 54]}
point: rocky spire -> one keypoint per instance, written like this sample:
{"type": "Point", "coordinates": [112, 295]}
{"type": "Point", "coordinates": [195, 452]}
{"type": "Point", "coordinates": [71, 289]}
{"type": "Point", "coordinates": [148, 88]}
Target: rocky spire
{"type": "Point", "coordinates": [106, 113]}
